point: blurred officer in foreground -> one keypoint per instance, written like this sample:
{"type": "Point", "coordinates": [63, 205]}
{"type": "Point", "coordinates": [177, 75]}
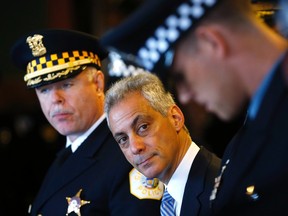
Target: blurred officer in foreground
{"type": "Point", "coordinates": [225, 58]}
{"type": "Point", "coordinates": [90, 176]}
{"type": "Point", "coordinates": [149, 128]}
{"type": "Point", "coordinates": [282, 18]}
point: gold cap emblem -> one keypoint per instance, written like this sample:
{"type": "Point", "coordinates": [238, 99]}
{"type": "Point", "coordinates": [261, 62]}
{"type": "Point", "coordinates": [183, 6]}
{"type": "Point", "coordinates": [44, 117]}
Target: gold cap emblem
{"type": "Point", "coordinates": [36, 45]}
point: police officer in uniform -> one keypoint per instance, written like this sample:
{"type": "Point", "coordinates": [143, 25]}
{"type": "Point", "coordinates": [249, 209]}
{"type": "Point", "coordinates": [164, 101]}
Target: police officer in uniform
{"type": "Point", "coordinates": [90, 175]}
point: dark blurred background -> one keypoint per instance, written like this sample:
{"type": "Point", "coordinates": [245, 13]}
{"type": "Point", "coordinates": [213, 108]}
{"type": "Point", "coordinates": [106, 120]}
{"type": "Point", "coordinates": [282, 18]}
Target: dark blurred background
{"type": "Point", "coordinates": [27, 142]}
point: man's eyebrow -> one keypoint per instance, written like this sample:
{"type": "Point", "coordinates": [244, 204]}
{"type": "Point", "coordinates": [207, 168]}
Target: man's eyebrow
{"type": "Point", "coordinates": [133, 124]}
{"type": "Point", "coordinates": [135, 120]}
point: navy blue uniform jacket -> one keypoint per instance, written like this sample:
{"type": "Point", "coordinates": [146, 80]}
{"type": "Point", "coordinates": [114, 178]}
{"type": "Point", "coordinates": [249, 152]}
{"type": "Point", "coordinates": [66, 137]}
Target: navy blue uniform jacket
{"type": "Point", "coordinates": [255, 181]}
{"type": "Point", "coordinates": [199, 184]}
{"type": "Point", "coordinates": [99, 168]}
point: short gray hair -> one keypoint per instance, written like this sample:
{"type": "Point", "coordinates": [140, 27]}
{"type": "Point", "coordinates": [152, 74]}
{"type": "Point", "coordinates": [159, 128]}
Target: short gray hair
{"type": "Point", "coordinates": [148, 84]}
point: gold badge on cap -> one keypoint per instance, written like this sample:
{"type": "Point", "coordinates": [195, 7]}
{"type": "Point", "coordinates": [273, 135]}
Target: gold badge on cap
{"type": "Point", "coordinates": [75, 203]}
{"type": "Point", "coordinates": [36, 45]}
{"type": "Point", "coordinates": [145, 188]}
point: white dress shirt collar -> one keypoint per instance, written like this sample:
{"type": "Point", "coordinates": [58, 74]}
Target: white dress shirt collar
{"type": "Point", "coordinates": [80, 139]}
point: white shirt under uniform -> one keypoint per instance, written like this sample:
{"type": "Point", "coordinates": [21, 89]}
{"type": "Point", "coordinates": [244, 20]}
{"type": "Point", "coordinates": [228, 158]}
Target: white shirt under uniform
{"type": "Point", "coordinates": [80, 139]}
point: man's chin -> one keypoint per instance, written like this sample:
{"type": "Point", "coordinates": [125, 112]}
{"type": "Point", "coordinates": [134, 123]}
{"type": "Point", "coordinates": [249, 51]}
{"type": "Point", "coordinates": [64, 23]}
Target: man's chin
{"type": "Point", "coordinates": [149, 173]}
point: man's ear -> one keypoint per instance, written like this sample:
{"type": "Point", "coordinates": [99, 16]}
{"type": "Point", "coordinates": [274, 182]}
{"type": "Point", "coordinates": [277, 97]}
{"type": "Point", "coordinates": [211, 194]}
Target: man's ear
{"type": "Point", "coordinates": [211, 40]}
{"type": "Point", "coordinates": [99, 79]}
{"type": "Point", "coordinates": [177, 117]}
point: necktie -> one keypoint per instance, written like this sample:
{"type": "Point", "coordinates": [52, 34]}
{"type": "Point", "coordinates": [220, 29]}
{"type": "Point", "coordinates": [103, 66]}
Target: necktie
{"type": "Point", "coordinates": [167, 205]}
{"type": "Point", "coordinates": [64, 154]}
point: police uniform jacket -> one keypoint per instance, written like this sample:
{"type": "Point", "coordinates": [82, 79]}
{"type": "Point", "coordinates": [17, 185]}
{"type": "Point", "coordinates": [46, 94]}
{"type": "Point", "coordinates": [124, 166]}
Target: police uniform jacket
{"type": "Point", "coordinates": [200, 183]}
{"type": "Point", "coordinates": [99, 173]}
{"type": "Point", "coordinates": [254, 181]}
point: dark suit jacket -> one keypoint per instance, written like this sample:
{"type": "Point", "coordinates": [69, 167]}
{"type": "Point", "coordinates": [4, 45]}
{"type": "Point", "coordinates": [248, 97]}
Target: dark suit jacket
{"type": "Point", "coordinates": [200, 183]}
{"type": "Point", "coordinates": [99, 168]}
{"type": "Point", "coordinates": [259, 158]}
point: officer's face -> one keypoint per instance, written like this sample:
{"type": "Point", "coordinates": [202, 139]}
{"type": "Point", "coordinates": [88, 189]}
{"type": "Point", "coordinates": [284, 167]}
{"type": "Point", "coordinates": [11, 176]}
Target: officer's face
{"type": "Point", "coordinates": [147, 139]}
{"type": "Point", "coordinates": [73, 105]}
{"type": "Point", "coordinates": [207, 77]}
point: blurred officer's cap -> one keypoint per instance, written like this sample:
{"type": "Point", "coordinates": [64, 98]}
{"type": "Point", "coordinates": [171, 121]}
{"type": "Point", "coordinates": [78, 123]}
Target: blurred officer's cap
{"type": "Point", "coordinates": [52, 55]}
{"type": "Point", "coordinates": [151, 31]}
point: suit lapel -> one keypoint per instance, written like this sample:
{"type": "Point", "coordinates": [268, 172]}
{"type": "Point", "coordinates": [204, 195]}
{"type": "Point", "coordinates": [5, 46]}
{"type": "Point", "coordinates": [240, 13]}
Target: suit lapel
{"type": "Point", "coordinates": [195, 185]}
{"type": "Point", "coordinates": [81, 160]}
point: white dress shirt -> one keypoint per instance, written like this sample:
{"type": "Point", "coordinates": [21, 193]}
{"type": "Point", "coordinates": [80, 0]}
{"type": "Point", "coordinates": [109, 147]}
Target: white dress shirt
{"type": "Point", "coordinates": [177, 183]}
{"type": "Point", "coordinates": [80, 139]}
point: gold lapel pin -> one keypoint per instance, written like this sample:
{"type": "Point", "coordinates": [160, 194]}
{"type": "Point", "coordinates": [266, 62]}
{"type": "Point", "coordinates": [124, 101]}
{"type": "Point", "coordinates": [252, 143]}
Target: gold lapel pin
{"type": "Point", "coordinates": [250, 191]}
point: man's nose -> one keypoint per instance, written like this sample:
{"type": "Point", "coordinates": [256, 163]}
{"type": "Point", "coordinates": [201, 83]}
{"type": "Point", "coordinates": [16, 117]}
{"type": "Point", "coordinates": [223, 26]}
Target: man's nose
{"type": "Point", "coordinates": [56, 96]}
{"type": "Point", "coordinates": [136, 145]}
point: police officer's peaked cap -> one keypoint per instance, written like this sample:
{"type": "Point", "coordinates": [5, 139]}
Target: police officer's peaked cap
{"type": "Point", "coordinates": [52, 55]}
{"type": "Point", "coordinates": [152, 30]}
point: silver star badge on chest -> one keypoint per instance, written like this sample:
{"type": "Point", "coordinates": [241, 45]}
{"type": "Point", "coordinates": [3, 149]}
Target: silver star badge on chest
{"type": "Point", "coordinates": [75, 203]}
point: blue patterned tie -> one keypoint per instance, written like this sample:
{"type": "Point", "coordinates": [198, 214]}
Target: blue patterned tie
{"type": "Point", "coordinates": [167, 205]}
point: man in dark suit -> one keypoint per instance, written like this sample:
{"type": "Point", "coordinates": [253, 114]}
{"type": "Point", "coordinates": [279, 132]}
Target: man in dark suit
{"type": "Point", "coordinates": [90, 176]}
{"type": "Point", "coordinates": [224, 57]}
{"type": "Point", "coordinates": [149, 128]}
